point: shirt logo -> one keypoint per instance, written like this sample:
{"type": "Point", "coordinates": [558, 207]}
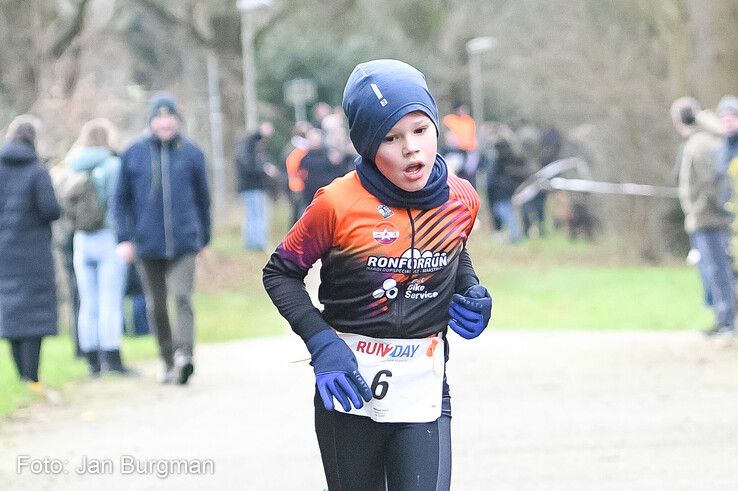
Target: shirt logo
{"type": "Point", "coordinates": [385, 233]}
{"type": "Point", "coordinates": [385, 211]}
{"type": "Point", "coordinates": [384, 350]}
{"type": "Point", "coordinates": [417, 291]}
{"type": "Point", "coordinates": [411, 261]}
{"type": "Point", "coordinates": [389, 289]}
{"type": "Point", "coordinates": [378, 93]}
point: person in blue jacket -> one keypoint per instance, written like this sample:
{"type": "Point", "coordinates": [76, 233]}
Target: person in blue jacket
{"type": "Point", "coordinates": [162, 216]}
{"type": "Point", "coordinates": [28, 205]}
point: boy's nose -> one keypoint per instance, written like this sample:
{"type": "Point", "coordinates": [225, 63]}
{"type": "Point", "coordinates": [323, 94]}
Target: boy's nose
{"type": "Point", "coordinates": [411, 145]}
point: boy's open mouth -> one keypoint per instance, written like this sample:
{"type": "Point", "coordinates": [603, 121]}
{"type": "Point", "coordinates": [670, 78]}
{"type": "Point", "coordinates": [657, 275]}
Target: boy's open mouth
{"type": "Point", "coordinates": [414, 169]}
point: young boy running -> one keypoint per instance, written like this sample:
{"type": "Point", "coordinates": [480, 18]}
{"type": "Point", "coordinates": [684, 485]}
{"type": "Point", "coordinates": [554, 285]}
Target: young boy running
{"type": "Point", "coordinates": [395, 273]}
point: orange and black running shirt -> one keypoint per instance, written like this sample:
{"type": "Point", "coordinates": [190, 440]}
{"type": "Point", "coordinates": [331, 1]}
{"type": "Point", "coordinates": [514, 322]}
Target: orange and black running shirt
{"type": "Point", "coordinates": [386, 272]}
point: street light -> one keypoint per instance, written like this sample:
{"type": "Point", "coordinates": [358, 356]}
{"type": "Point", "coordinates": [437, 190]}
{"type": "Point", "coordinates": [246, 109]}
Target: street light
{"type": "Point", "coordinates": [251, 113]}
{"type": "Point", "coordinates": [475, 47]}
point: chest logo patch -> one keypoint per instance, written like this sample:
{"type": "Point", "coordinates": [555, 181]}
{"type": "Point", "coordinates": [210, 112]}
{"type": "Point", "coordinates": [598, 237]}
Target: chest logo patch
{"type": "Point", "coordinates": [385, 233]}
{"type": "Point", "coordinates": [385, 211]}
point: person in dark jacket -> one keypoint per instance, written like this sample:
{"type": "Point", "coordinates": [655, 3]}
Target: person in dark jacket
{"type": "Point", "coordinates": [28, 205]}
{"type": "Point", "coordinates": [162, 217]}
{"type": "Point", "coordinates": [506, 173]}
{"type": "Point", "coordinates": [254, 170]}
{"type": "Point", "coordinates": [320, 165]}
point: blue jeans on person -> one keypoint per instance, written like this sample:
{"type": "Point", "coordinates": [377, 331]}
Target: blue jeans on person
{"type": "Point", "coordinates": [140, 322]}
{"type": "Point", "coordinates": [256, 219]}
{"type": "Point", "coordinates": [703, 275]}
{"type": "Point", "coordinates": [534, 211]}
{"type": "Point", "coordinates": [713, 245]}
{"type": "Point", "coordinates": [101, 279]}
{"type": "Point", "coordinates": [504, 211]}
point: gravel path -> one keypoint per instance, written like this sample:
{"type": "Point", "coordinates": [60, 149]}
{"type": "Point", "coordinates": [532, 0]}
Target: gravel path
{"type": "Point", "coordinates": [532, 410]}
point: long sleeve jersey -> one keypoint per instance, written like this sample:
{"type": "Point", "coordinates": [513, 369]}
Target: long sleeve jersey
{"type": "Point", "coordinates": [386, 272]}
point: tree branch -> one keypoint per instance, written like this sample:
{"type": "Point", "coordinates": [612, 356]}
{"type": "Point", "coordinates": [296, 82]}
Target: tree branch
{"type": "Point", "coordinates": [170, 18]}
{"type": "Point", "coordinates": [61, 44]}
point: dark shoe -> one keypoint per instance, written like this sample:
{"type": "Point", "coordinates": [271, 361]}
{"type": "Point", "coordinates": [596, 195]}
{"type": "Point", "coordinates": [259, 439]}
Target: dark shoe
{"type": "Point", "coordinates": [723, 336]}
{"type": "Point", "coordinates": [183, 368]}
{"type": "Point", "coordinates": [93, 360]}
{"type": "Point", "coordinates": [114, 364]}
{"type": "Point", "coordinates": [716, 331]}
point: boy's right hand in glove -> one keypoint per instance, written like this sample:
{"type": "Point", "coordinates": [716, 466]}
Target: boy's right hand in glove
{"type": "Point", "coordinates": [336, 371]}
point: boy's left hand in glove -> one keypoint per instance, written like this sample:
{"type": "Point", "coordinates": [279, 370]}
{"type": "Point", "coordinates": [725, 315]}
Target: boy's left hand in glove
{"type": "Point", "coordinates": [470, 313]}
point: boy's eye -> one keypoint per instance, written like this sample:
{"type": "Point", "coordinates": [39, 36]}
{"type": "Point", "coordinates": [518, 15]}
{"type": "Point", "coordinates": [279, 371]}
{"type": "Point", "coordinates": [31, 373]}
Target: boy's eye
{"type": "Point", "coordinates": [389, 138]}
{"type": "Point", "coordinates": [421, 130]}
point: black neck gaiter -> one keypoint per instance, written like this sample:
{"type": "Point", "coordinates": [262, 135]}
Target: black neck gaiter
{"type": "Point", "coordinates": [434, 194]}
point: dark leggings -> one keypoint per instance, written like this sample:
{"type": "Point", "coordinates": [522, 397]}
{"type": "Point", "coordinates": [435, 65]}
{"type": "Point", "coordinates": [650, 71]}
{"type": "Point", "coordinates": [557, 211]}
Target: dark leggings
{"type": "Point", "coordinates": [362, 455]}
{"type": "Point", "coordinates": [26, 354]}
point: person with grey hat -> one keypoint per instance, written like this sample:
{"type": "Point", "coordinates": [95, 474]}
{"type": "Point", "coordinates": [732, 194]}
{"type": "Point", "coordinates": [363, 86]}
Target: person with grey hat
{"type": "Point", "coordinates": [396, 281]}
{"type": "Point", "coordinates": [704, 191]}
{"type": "Point", "coordinates": [162, 219]}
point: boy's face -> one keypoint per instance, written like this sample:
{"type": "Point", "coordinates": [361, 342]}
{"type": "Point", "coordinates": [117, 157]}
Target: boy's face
{"type": "Point", "coordinates": [408, 151]}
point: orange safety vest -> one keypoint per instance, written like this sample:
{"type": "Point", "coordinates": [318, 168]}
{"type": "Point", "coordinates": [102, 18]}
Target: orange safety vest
{"type": "Point", "coordinates": [464, 129]}
{"type": "Point", "coordinates": [296, 177]}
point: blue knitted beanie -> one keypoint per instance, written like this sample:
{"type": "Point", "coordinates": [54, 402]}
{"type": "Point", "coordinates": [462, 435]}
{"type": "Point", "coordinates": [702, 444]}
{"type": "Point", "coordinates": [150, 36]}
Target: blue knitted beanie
{"type": "Point", "coordinates": [377, 95]}
{"type": "Point", "coordinates": [162, 103]}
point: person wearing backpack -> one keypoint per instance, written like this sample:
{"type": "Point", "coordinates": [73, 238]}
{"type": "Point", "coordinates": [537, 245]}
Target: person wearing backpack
{"type": "Point", "coordinates": [101, 273]}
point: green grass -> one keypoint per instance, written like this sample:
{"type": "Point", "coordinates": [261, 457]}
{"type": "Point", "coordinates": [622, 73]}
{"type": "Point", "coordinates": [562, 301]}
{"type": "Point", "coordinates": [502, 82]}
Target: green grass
{"type": "Point", "coordinates": [546, 283]}
{"type": "Point", "coordinates": [552, 283]}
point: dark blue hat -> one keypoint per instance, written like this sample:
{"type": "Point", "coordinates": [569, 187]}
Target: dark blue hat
{"type": "Point", "coordinates": [377, 95]}
{"type": "Point", "coordinates": [162, 103]}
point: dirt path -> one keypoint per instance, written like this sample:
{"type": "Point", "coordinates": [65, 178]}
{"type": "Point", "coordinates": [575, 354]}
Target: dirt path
{"type": "Point", "coordinates": [532, 410]}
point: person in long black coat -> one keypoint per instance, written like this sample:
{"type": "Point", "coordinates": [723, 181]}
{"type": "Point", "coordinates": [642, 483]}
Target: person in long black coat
{"type": "Point", "coordinates": [28, 308]}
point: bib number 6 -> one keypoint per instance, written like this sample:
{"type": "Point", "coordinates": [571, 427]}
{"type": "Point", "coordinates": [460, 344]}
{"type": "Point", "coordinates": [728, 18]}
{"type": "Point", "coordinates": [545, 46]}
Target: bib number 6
{"type": "Point", "coordinates": [379, 386]}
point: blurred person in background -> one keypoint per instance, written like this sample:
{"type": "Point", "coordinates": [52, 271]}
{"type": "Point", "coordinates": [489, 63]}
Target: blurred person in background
{"type": "Point", "coordinates": [254, 169]}
{"type": "Point", "coordinates": [320, 166]}
{"type": "Point", "coordinates": [28, 205]}
{"type": "Point", "coordinates": [162, 217]}
{"type": "Point", "coordinates": [505, 173]}
{"type": "Point", "coordinates": [531, 211]}
{"type": "Point", "coordinates": [293, 153]}
{"type": "Point", "coordinates": [704, 194]}
{"type": "Point", "coordinates": [464, 130]}
{"type": "Point", "coordinates": [321, 110]}
{"type": "Point", "coordinates": [63, 233]}
{"type": "Point", "coordinates": [101, 273]}
{"type": "Point", "coordinates": [534, 211]}
{"type": "Point", "coordinates": [138, 323]}
{"type": "Point", "coordinates": [727, 156]}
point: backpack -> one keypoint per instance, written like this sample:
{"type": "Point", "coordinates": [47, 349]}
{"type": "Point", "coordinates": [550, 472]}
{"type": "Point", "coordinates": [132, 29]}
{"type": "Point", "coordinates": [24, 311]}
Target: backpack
{"type": "Point", "coordinates": [82, 204]}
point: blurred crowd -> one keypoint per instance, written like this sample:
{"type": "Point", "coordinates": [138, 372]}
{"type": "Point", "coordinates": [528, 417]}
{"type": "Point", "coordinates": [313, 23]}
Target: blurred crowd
{"type": "Point", "coordinates": [495, 158]}
{"type": "Point", "coordinates": [128, 226]}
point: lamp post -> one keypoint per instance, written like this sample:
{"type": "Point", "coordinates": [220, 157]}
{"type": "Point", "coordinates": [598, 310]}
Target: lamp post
{"type": "Point", "coordinates": [475, 47]}
{"type": "Point", "coordinates": [251, 113]}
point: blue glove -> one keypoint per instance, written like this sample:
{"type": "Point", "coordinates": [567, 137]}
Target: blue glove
{"type": "Point", "coordinates": [336, 371]}
{"type": "Point", "coordinates": [470, 313]}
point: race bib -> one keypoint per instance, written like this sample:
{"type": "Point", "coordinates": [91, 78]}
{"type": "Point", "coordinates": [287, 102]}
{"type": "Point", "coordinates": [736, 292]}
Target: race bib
{"type": "Point", "coordinates": [405, 376]}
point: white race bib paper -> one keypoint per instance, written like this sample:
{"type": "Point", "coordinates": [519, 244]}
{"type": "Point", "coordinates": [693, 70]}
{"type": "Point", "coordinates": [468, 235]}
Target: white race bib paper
{"type": "Point", "coordinates": [405, 376]}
